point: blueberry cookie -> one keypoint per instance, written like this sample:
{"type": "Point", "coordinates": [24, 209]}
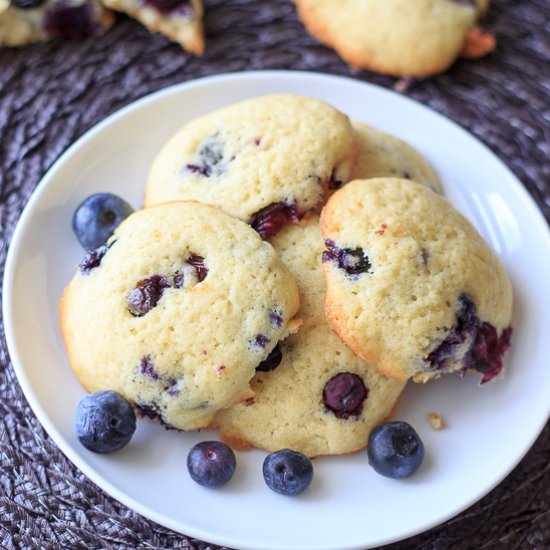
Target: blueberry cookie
{"type": "Point", "coordinates": [176, 312]}
{"type": "Point", "coordinates": [411, 285]}
{"type": "Point", "coordinates": [396, 37]}
{"type": "Point", "coordinates": [312, 395]}
{"type": "Point", "coordinates": [178, 20]}
{"type": "Point", "coordinates": [267, 160]}
{"type": "Point", "coordinates": [384, 155]}
{"type": "Point", "coordinates": [25, 21]}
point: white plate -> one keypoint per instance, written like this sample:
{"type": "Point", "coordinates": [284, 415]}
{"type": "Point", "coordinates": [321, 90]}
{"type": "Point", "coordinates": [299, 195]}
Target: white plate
{"type": "Point", "coordinates": [348, 505]}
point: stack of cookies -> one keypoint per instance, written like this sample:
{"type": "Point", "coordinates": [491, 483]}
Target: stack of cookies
{"type": "Point", "coordinates": [290, 272]}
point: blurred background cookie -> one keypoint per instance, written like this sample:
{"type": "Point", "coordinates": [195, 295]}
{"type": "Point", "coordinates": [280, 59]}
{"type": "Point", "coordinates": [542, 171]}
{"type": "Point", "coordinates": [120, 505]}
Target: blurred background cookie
{"type": "Point", "coordinates": [26, 21]}
{"type": "Point", "coordinates": [396, 37]}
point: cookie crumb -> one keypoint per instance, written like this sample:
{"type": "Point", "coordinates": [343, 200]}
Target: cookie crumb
{"type": "Point", "coordinates": [436, 422]}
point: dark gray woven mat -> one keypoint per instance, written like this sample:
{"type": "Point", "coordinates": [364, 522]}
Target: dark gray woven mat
{"type": "Point", "coordinates": [50, 94]}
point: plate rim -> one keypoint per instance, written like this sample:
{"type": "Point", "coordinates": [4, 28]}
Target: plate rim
{"type": "Point", "coordinates": [23, 221]}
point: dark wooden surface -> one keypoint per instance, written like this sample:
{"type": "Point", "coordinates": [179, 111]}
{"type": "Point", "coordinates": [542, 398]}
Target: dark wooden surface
{"type": "Point", "coordinates": [52, 93]}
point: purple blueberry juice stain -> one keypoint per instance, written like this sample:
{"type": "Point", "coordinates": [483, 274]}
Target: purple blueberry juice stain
{"type": "Point", "coordinates": [172, 387]}
{"type": "Point", "coordinates": [486, 349]}
{"type": "Point", "coordinates": [276, 318]}
{"type": "Point", "coordinates": [183, 8]}
{"type": "Point", "coordinates": [145, 296]}
{"type": "Point", "coordinates": [147, 368]}
{"type": "Point", "coordinates": [353, 261]}
{"type": "Point", "coordinates": [260, 341]}
{"type": "Point", "coordinates": [344, 395]}
{"type": "Point", "coordinates": [271, 219]}
{"type": "Point", "coordinates": [210, 158]}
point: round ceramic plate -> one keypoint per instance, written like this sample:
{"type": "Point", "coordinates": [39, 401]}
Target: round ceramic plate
{"type": "Point", "coordinates": [348, 505]}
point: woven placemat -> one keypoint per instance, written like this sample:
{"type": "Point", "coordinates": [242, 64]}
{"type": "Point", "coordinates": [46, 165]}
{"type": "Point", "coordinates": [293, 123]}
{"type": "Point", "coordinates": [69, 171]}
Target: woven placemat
{"type": "Point", "coordinates": [50, 94]}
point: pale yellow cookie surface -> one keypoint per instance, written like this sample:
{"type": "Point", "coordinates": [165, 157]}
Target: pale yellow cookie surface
{"type": "Point", "coordinates": [288, 409]}
{"type": "Point", "coordinates": [274, 150]}
{"type": "Point", "coordinates": [410, 282]}
{"type": "Point", "coordinates": [383, 155]}
{"type": "Point", "coordinates": [196, 349]}
{"type": "Point", "coordinates": [399, 37]}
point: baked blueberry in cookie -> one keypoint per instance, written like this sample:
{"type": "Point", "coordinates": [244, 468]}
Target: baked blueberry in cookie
{"type": "Point", "coordinates": [268, 160]}
{"type": "Point", "coordinates": [436, 298]}
{"type": "Point", "coordinates": [177, 315]}
{"type": "Point", "coordinates": [344, 394]}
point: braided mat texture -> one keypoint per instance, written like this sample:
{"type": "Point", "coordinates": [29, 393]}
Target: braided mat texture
{"type": "Point", "coordinates": [51, 94]}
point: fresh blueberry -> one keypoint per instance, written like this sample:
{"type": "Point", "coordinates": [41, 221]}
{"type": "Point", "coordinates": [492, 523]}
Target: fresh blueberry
{"type": "Point", "coordinates": [105, 422]}
{"type": "Point", "coordinates": [395, 450]}
{"type": "Point", "coordinates": [146, 295]}
{"type": "Point", "coordinates": [260, 341]}
{"type": "Point", "coordinates": [344, 395]}
{"type": "Point", "coordinates": [287, 472]}
{"type": "Point", "coordinates": [97, 217]}
{"type": "Point", "coordinates": [276, 318]}
{"type": "Point", "coordinates": [273, 360]}
{"type": "Point", "coordinates": [211, 463]}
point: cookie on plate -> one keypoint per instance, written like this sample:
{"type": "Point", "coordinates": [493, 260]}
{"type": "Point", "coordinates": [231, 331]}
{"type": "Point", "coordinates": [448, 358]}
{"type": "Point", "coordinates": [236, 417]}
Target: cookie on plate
{"type": "Point", "coordinates": [267, 160]}
{"type": "Point", "coordinates": [26, 21]}
{"type": "Point", "coordinates": [396, 37]}
{"type": "Point", "coordinates": [177, 311]}
{"type": "Point", "coordinates": [178, 20]}
{"type": "Point", "coordinates": [411, 285]}
{"type": "Point", "coordinates": [313, 395]}
{"type": "Point", "coordinates": [384, 155]}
